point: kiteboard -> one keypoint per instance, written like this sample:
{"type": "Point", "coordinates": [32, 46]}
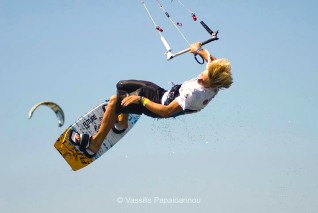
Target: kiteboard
{"type": "Point", "coordinates": [89, 124]}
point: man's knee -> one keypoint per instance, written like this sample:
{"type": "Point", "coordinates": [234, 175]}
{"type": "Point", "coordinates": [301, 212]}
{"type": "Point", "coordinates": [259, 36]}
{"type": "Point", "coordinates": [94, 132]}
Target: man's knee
{"type": "Point", "coordinates": [130, 85]}
{"type": "Point", "coordinates": [113, 100]}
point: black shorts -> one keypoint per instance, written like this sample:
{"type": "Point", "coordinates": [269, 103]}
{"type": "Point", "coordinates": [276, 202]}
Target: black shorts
{"type": "Point", "coordinates": [141, 88]}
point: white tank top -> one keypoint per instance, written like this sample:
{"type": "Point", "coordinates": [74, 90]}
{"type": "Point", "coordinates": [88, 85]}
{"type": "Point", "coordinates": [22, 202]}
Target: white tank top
{"type": "Point", "coordinates": [193, 96]}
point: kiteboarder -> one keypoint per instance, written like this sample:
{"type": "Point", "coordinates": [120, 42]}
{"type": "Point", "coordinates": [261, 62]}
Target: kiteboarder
{"type": "Point", "coordinates": [144, 97]}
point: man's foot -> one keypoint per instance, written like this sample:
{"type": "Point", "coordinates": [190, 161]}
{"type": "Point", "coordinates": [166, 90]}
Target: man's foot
{"type": "Point", "coordinates": [83, 141]}
{"type": "Point", "coordinates": [121, 124]}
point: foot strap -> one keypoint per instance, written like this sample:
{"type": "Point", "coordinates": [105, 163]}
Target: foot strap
{"type": "Point", "coordinates": [84, 145]}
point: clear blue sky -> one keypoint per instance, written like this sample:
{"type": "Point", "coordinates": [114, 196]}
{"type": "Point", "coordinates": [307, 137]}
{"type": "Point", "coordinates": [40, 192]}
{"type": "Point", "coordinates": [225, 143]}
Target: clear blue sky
{"type": "Point", "coordinates": [253, 149]}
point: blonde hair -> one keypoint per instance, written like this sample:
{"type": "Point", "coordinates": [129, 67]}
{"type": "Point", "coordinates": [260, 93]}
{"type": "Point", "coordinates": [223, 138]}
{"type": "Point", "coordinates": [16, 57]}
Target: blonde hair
{"type": "Point", "coordinates": [219, 72]}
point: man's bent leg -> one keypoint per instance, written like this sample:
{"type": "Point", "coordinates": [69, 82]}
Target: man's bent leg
{"type": "Point", "coordinates": [107, 123]}
{"type": "Point", "coordinates": [123, 120]}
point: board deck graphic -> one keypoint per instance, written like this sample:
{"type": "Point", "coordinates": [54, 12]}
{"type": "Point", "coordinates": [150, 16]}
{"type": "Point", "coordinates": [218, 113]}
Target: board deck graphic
{"type": "Point", "coordinates": [89, 124]}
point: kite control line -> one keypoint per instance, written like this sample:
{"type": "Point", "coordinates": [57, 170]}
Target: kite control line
{"type": "Point", "coordinates": [175, 24]}
{"type": "Point", "coordinates": [194, 17]}
{"type": "Point", "coordinates": [168, 52]}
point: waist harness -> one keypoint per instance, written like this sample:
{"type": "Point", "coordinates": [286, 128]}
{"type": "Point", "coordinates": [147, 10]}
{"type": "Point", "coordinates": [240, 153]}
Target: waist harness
{"type": "Point", "coordinates": [173, 93]}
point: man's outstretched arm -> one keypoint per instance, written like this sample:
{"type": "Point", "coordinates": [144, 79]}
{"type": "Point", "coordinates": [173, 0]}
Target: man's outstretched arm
{"type": "Point", "coordinates": [164, 111]}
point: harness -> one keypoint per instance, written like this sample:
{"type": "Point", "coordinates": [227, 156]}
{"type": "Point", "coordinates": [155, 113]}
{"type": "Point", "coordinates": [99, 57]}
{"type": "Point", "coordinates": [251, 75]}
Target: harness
{"type": "Point", "coordinates": [173, 93]}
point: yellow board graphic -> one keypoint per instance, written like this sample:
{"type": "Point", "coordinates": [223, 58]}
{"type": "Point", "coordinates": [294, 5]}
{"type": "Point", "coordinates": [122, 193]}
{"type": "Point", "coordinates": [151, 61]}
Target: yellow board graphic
{"type": "Point", "coordinates": [89, 124]}
{"type": "Point", "coordinates": [74, 157]}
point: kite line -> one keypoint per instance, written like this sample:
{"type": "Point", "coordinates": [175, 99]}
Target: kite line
{"type": "Point", "coordinates": [177, 25]}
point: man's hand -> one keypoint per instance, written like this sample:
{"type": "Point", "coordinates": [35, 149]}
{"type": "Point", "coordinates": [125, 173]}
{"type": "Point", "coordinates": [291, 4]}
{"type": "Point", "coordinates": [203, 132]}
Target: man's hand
{"type": "Point", "coordinates": [194, 47]}
{"type": "Point", "coordinates": [134, 99]}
